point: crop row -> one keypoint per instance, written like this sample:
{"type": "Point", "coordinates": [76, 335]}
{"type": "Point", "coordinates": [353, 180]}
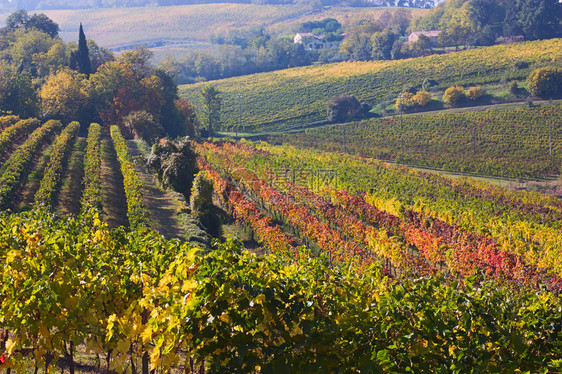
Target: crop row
{"type": "Point", "coordinates": [339, 235]}
{"type": "Point", "coordinates": [15, 168]}
{"type": "Point", "coordinates": [140, 300]}
{"type": "Point", "coordinates": [15, 132]}
{"type": "Point", "coordinates": [272, 101]}
{"type": "Point", "coordinates": [136, 212]}
{"type": "Point", "coordinates": [7, 121]}
{"type": "Point", "coordinates": [53, 173]}
{"type": "Point", "coordinates": [246, 211]}
{"type": "Point", "coordinates": [398, 239]}
{"type": "Point", "coordinates": [517, 229]}
{"type": "Point", "coordinates": [510, 143]}
{"type": "Point", "coordinates": [91, 195]}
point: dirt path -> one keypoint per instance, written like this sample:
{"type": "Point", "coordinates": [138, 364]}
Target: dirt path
{"type": "Point", "coordinates": [161, 206]}
{"type": "Point", "coordinates": [68, 201]}
{"type": "Point", "coordinates": [113, 193]}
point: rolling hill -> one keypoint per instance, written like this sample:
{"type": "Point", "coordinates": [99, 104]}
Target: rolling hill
{"type": "Point", "coordinates": [192, 25]}
{"type": "Point", "coordinates": [284, 99]}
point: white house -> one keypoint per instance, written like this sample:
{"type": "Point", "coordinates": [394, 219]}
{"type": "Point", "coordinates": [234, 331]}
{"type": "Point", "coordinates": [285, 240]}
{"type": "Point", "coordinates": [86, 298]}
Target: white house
{"type": "Point", "coordinates": [313, 42]}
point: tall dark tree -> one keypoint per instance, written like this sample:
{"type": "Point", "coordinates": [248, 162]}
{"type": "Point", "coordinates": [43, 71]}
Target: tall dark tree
{"type": "Point", "coordinates": [211, 107]}
{"type": "Point", "coordinates": [83, 55]}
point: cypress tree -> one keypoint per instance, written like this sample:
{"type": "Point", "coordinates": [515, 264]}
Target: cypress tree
{"type": "Point", "coordinates": [83, 56]}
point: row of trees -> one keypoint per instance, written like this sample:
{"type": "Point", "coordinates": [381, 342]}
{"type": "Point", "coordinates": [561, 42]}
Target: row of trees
{"type": "Point", "coordinates": [254, 50]}
{"type": "Point", "coordinates": [480, 22]}
{"type": "Point", "coordinates": [41, 76]}
{"type": "Point", "coordinates": [461, 22]}
{"type": "Point", "coordinates": [259, 53]}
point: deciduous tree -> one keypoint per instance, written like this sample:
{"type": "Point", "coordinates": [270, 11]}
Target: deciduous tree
{"type": "Point", "coordinates": [453, 94]}
{"type": "Point", "coordinates": [545, 82]}
{"type": "Point", "coordinates": [474, 93]}
{"type": "Point", "coordinates": [344, 108]}
{"type": "Point", "coordinates": [63, 96]}
{"type": "Point", "coordinates": [17, 94]}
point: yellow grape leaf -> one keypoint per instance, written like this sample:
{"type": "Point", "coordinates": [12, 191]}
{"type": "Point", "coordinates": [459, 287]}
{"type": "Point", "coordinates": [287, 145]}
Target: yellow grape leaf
{"type": "Point", "coordinates": [154, 358]}
{"type": "Point", "coordinates": [146, 335]}
{"type": "Point", "coordinates": [45, 332]}
{"type": "Point", "coordinates": [260, 299]}
{"type": "Point", "coordinates": [99, 235]}
{"type": "Point", "coordinates": [11, 256]}
{"type": "Point", "coordinates": [225, 318]}
{"type": "Point", "coordinates": [190, 256]}
{"type": "Point", "coordinates": [38, 354]}
{"type": "Point", "coordinates": [123, 346]}
{"type": "Point", "coordinates": [117, 363]}
{"type": "Point", "coordinates": [189, 286]}
{"type": "Point", "coordinates": [296, 331]}
{"type": "Point", "coordinates": [10, 346]}
{"type": "Point", "coordinates": [145, 278]}
{"type": "Point", "coordinates": [170, 361]}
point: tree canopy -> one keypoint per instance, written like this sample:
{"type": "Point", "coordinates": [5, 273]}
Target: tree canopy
{"type": "Point", "coordinates": [479, 22]}
{"type": "Point", "coordinates": [22, 20]}
{"type": "Point", "coordinates": [40, 75]}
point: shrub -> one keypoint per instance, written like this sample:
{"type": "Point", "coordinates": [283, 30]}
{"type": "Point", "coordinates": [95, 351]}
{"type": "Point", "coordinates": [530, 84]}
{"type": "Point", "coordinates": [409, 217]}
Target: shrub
{"type": "Point", "coordinates": [405, 101]}
{"type": "Point", "coordinates": [453, 94]}
{"type": "Point", "coordinates": [174, 164]}
{"type": "Point", "coordinates": [344, 108]}
{"type": "Point", "coordinates": [520, 64]}
{"type": "Point", "coordinates": [545, 82]}
{"type": "Point", "coordinates": [142, 125]}
{"type": "Point", "coordinates": [422, 98]}
{"type": "Point", "coordinates": [474, 93]}
{"type": "Point", "coordinates": [409, 100]}
{"type": "Point", "coordinates": [513, 88]}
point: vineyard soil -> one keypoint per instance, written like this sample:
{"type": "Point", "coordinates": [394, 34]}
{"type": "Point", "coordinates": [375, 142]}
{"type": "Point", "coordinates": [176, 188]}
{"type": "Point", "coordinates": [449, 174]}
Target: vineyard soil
{"type": "Point", "coordinates": [162, 207]}
{"type": "Point", "coordinates": [71, 186]}
{"type": "Point", "coordinates": [114, 200]}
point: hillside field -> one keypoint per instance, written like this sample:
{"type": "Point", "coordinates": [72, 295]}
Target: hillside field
{"type": "Point", "coordinates": [512, 143]}
{"type": "Point", "coordinates": [282, 100]}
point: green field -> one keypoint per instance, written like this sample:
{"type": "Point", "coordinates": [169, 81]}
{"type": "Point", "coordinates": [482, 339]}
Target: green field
{"type": "Point", "coordinates": [282, 100]}
{"type": "Point", "coordinates": [512, 143]}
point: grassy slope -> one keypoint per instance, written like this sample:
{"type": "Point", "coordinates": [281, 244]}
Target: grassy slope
{"type": "Point", "coordinates": [281, 99]}
{"type": "Point", "coordinates": [118, 26]}
{"type": "Point", "coordinates": [128, 26]}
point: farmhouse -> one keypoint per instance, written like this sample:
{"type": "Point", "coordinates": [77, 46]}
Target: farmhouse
{"type": "Point", "coordinates": [432, 35]}
{"type": "Point", "coordinates": [313, 42]}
